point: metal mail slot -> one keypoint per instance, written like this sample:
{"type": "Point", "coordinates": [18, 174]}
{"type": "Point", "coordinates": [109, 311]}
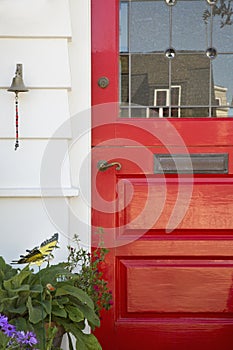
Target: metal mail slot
{"type": "Point", "coordinates": [204, 163]}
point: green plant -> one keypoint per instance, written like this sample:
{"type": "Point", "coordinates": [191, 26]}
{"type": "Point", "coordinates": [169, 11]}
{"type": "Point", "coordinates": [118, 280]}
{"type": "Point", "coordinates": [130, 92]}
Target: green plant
{"type": "Point", "coordinates": [57, 299]}
{"type": "Point", "coordinates": [89, 275]}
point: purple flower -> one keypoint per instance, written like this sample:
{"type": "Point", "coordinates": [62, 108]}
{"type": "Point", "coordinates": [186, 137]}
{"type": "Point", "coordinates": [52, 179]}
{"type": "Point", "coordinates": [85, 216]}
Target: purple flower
{"type": "Point", "coordinates": [3, 321]}
{"type": "Point", "coordinates": [9, 330]}
{"type": "Point", "coordinates": [28, 338]}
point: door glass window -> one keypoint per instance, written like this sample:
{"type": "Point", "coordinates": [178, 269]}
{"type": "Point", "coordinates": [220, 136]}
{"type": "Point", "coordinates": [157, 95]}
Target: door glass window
{"type": "Point", "coordinates": [176, 58]}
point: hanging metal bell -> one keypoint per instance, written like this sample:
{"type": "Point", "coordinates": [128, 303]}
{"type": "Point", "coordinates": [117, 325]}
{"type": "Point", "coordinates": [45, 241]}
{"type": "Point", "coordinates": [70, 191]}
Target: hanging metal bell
{"type": "Point", "coordinates": [17, 82]}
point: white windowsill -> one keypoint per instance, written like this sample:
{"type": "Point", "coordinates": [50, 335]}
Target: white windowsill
{"type": "Point", "coordinates": [38, 192]}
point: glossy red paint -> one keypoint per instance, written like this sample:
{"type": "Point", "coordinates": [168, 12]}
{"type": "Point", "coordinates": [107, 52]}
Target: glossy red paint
{"type": "Point", "coordinates": [104, 33]}
{"type": "Point", "coordinates": [194, 132]}
{"type": "Point", "coordinates": [171, 290]}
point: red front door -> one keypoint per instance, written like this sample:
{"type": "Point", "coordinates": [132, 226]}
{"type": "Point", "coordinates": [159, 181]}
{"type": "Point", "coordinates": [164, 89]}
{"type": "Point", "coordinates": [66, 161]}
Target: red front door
{"type": "Point", "coordinates": [162, 172]}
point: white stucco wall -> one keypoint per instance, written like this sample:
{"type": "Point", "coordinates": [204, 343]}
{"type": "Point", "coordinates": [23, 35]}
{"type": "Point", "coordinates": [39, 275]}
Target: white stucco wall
{"type": "Point", "coordinates": [51, 38]}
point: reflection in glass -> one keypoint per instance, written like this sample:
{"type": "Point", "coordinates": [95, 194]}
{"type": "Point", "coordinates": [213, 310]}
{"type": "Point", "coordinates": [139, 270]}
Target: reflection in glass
{"type": "Point", "coordinates": [222, 29]}
{"type": "Point", "coordinates": [189, 29]}
{"type": "Point", "coordinates": [148, 26]}
{"type": "Point", "coordinates": [198, 80]}
{"type": "Point", "coordinates": [223, 76]}
{"type": "Point", "coordinates": [124, 47]}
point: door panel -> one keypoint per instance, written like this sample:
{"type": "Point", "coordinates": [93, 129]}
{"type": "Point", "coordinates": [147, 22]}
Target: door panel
{"type": "Point", "coordinates": [171, 289]}
{"type": "Point", "coordinates": [175, 286]}
{"type": "Point", "coordinates": [175, 304]}
{"type": "Point", "coordinates": [210, 206]}
{"type": "Point", "coordinates": [167, 212]}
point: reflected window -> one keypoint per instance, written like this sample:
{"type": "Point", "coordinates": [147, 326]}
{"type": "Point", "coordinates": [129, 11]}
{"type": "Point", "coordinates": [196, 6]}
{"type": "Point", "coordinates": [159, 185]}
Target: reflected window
{"type": "Point", "coordinates": [176, 61]}
{"type": "Point", "coordinates": [162, 98]}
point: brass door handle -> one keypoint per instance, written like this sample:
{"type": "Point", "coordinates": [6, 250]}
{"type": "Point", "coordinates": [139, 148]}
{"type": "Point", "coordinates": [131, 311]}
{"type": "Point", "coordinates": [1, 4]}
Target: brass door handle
{"type": "Point", "coordinates": [103, 165]}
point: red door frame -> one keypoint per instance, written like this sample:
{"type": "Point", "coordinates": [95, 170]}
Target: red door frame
{"type": "Point", "coordinates": [105, 43]}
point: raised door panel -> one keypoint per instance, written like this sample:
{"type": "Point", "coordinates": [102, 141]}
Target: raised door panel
{"type": "Point", "coordinates": [184, 203]}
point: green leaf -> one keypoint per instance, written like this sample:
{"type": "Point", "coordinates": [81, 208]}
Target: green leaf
{"type": "Point", "coordinates": [22, 324]}
{"type": "Point", "coordinates": [46, 304]}
{"type": "Point", "coordinates": [37, 288]}
{"type": "Point", "coordinates": [3, 340]}
{"type": "Point", "coordinates": [61, 301]}
{"type": "Point", "coordinates": [23, 288]}
{"type": "Point", "coordinates": [74, 313]}
{"type": "Point", "coordinates": [76, 293]}
{"type": "Point", "coordinates": [90, 315]}
{"type": "Point", "coordinates": [49, 274]}
{"type": "Point", "coordinates": [3, 294]}
{"type": "Point", "coordinates": [84, 341]}
{"type": "Point", "coordinates": [2, 264]}
{"type": "Point", "coordinates": [6, 271]}
{"type": "Point", "coordinates": [60, 312]}
{"type": "Point", "coordinates": [9, 300]}
{"type": "Point", "coordinates": [87, 342]}
{"type": "Point", "coordinates": [36, 313]}
{"type": "Point", "coordinates": [17, 280]}
{"type": "Point", "coordinates": [66, 322]}
{"type": "Point", "coordinates": [17, 310]}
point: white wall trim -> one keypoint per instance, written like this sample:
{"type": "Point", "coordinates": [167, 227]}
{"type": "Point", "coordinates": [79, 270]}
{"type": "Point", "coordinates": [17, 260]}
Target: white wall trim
{"type": "Point", "coordinates": [38, 192]}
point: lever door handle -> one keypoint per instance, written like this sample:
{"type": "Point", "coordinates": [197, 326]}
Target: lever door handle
{"type": "Point", "coordinates": [103, 165]}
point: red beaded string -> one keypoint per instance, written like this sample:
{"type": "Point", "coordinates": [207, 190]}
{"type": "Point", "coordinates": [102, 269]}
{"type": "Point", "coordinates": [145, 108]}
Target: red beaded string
{"type": "Point", "coordinates": [16, 122]}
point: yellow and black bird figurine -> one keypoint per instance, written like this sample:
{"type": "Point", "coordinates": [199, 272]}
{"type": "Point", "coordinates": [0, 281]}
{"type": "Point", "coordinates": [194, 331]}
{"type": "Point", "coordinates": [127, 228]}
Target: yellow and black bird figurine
{"type": "Point", "coordinates": [39, 254]}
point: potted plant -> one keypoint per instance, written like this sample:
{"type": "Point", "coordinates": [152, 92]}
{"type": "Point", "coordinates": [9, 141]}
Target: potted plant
{"type": "Point", "coordinates": [57, 299]}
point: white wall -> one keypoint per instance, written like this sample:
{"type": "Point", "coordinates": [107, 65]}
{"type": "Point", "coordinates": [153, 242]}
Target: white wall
{"type": "Point", "coordinates": [80, 104]}
{"type": "Point", "coordinates": [51, 38]}
{"type": "Point", "coordinates": [39, 183]}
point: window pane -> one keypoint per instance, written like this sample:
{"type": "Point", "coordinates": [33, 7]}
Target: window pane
{"type": "Point", "coordinates": [223, 26]}
{"type": "Point", "coordinates": [147, 31]}
{"type": "Point", "coordinates": [188, 27]}
{"type": "Point", "coordinates": [223, 75]}
{"type": "Point", "coordinates": [148, 73]}
{"type": "Point", "coordinates": [124, 27]}
{"type": "Point", "coordinates": [192, 72]}
{"type": "Point", "coordinates": [177, 60]}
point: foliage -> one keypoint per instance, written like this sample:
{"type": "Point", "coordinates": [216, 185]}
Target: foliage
{"type": "Point", "coordinates": [90, 276]}
{"type": "Point", "coordinates": [30, 299]}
